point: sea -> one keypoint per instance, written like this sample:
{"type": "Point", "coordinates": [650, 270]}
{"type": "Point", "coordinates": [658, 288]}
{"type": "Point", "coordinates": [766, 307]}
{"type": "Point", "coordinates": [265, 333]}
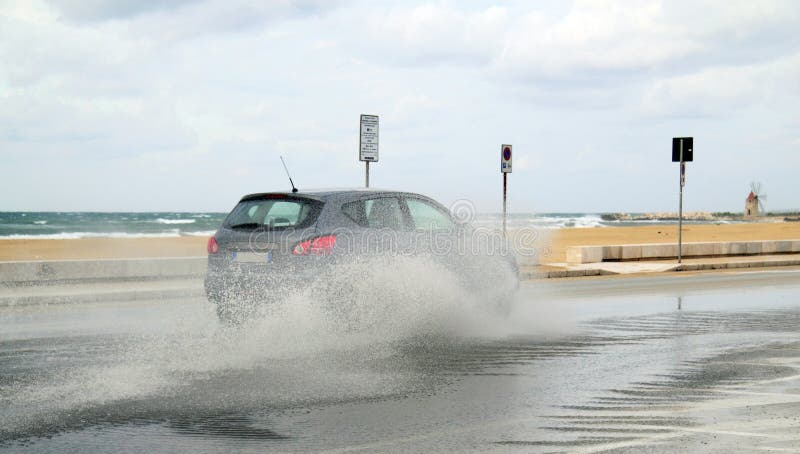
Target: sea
{"type": "Point", "coordinates": [72, 225]}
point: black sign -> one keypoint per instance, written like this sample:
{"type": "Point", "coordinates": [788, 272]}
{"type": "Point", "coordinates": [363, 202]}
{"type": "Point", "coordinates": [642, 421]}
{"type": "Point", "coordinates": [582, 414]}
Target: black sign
{"type": "Point", "coordinates": [688, 148]}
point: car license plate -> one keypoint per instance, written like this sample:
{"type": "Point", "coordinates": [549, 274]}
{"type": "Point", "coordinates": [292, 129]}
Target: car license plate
{"type": "Point", "coordinates": [253, 257]}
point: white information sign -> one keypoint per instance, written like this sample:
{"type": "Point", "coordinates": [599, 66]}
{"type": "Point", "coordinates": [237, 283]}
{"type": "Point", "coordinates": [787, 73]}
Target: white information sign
{"type": "Point", "coordinates": [368, 143]}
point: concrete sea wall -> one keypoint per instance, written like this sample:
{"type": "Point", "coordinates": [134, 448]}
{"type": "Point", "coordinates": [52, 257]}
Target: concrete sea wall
{"type": "Point", "coordinates": [595, 254]}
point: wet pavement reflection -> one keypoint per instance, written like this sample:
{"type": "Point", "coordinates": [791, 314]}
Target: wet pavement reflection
{"type": "Point", "coordinates": [666, 368]}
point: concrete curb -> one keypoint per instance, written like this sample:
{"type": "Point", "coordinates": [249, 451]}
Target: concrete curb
{"type": "Point", "coordinates": [555, 274]}
{"type": "Point", "coordinates": [101, 297]}
{"type": "Point", "coordinates": [20, 272]}
{"type": "Point", "coordinates": [101, 291]}
{"type": "Point", "coordinates": [608, 268]}
{"type": "Point", "coordinates": [736, 265]}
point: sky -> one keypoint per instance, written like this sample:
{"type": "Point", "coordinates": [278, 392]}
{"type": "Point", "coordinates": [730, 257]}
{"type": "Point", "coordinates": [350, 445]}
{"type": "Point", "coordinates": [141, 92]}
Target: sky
{"type": "Point", "coordinates": [186, 106]}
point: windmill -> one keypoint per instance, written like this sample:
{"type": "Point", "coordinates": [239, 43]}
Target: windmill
{"type": "Point", "coordinates": [754, 204]}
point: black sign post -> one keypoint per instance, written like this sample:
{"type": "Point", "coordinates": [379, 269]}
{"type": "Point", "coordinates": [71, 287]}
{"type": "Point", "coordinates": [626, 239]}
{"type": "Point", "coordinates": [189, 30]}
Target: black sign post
{"type": "Point", "coordinates": [505, 169]}
{"type": "Point", "coordinates": [683, 152]}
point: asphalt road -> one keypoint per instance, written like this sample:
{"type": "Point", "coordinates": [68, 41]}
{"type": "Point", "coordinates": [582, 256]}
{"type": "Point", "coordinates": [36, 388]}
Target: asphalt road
{"type": "Point", "coordinates": [702, 363]}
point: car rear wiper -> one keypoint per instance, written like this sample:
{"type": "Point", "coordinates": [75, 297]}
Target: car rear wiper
{"type": "Point", "coordinates": [246, 225]}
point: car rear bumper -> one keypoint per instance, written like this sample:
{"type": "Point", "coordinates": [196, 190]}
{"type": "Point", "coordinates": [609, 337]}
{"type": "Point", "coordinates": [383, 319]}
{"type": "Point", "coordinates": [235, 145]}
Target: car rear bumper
{"type": "Point", "coordinates": [231, 283]}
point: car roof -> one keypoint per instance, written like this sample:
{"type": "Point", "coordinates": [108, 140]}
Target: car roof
{"type": "Point", "coordinates": [321, 194]}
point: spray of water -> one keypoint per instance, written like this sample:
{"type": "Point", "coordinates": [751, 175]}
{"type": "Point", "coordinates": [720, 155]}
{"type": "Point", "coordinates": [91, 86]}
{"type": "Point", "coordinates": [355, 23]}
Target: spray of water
{"type": "Point", "coordinates": [345, 339]}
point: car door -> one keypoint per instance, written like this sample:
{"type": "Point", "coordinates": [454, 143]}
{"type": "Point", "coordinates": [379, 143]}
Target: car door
{"type": "Point", "coordinates": [383, 225]}
{"type": "Point", "coordinates": [454, 245]}
{"type": "Point", "coordinates": [435, 232]}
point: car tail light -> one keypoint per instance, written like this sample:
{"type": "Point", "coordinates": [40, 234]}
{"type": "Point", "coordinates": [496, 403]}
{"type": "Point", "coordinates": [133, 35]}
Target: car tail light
{"type": "Point", "coordinates": [213, 246]}
{"type": "Point", "coordinates": [316, 246]}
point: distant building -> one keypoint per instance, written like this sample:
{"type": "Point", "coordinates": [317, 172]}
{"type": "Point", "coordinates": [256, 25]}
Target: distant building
{"type": "Point", "coordinates": [751, 206]}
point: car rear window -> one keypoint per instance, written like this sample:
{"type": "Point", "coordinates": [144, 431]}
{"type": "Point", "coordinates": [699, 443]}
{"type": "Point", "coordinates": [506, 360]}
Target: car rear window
{"type": "Point", "coordinates": [274, 214]}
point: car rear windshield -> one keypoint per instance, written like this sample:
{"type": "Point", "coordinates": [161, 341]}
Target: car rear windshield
{"type": "Point", "coordinates": [274, 214]}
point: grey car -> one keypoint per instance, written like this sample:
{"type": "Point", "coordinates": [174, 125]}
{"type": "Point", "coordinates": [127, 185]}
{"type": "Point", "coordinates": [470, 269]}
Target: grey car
{"type": "Point", "coordinates": [275, 243]}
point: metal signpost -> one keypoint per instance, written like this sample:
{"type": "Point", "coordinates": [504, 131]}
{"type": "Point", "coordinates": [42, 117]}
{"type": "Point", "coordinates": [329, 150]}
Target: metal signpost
{"type": "Point", "coordinates": [368, 142]}
{"type": "Point", "coordinates": [505, 169]}
{"type": "Point", "coordinates": [683, 152]}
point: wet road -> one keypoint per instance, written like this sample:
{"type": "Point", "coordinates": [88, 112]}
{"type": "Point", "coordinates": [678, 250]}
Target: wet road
{"type": "Point", "coordinates": [701, 363]}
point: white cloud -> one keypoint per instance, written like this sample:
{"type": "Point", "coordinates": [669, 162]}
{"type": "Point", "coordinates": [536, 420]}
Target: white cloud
{"type": "Point", "coordinates": [588, 92]}
{"type": "Point", "coordinates": [597, 36]}
{"type": "Point", "coordinates": [725, 89]}
{"type": "Point", "coordinates": [433, 34]}
{"type": "Point", "coordinates": [590, 36]}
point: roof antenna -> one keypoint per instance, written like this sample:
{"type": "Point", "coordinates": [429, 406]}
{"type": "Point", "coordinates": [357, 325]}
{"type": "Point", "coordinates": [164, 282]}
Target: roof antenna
{"type": "Point", "coordinates": [294, 189]}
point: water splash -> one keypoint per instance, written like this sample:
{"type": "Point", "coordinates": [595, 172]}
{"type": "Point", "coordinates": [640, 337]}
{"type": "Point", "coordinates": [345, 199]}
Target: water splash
{"type": "Point", "coordinates": [306, 348]}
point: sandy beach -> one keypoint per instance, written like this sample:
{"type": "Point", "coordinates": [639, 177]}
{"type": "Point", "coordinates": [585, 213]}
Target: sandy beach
{"type": "Point", "coordinates": [552, 243]}
{"type": "Point", "coordinates": [101, 248]}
